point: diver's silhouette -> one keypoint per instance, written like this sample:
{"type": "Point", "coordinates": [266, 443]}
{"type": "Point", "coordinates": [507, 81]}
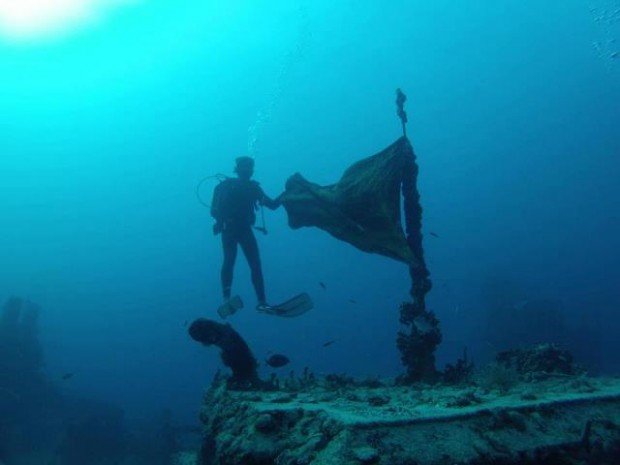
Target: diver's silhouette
{"type": "Point", "coordinates": [234, 206]}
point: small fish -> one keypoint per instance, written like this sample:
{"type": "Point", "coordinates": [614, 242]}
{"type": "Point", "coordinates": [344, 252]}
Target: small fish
{"type": "Point", "coordinates": [322, 284]}
{"type": "Point", "coordinates": [329, 343]}
{"type": "Point", "coordinates": [434, 234]}
{"type": "Point", "coordinates": [10, 394]}
{"type": "Point", "coordinates": [491, 346]}
{"type": "Point", "coordinates": [277, 361]}
{"type": "Point", "coordinates": [351, 301]}
{"type": "Point", "coordinates": [520, 305]}
{"type": "Point", "coordinates": [188, 429]}
{"type": "Point", "coordinates": [67, 376]}
{"type": "Point", "coordinates": [185, 323]}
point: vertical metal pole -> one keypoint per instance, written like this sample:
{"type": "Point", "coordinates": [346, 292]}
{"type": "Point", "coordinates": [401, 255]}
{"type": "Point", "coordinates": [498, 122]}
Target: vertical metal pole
{"type": "Point", "coordinates": [401, 98]}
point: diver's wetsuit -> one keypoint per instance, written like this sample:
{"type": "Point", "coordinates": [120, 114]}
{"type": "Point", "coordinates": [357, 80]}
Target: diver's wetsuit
{"type": "Point", "coordinates": [234, 208]}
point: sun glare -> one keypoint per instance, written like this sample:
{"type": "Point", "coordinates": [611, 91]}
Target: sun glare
{"type": "Point", "coordinates": [29, 19]}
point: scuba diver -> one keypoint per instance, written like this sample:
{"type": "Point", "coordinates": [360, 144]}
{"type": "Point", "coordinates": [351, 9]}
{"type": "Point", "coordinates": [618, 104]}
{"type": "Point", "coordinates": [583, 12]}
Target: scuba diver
{"type": "Point", "coordinates": [234, 205]}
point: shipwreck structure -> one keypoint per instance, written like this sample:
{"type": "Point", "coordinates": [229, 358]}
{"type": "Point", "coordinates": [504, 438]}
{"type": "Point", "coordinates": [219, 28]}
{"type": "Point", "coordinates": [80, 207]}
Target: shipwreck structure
{"type": "Point", "coordinates": [549, 421]}
{"type": "Point", "coordinates": [531, 407]}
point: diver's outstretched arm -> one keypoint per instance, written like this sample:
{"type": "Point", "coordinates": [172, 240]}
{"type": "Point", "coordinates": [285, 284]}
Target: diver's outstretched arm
{"type": "Point", "coordinates": [271, 204]}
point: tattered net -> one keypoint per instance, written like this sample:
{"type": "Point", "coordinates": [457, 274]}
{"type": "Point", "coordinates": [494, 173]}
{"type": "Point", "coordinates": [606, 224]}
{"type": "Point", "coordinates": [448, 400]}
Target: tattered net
{"type": "Point", "coordinates": [364, 207]}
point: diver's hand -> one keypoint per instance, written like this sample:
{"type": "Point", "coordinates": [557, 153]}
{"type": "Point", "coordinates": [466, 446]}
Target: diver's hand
{"type": "Point", "coordinates": [278, 199]}
{"type": "Point", "coordinates": [217, 228]}
{"type": "Point", "coordinates": [271, 204]}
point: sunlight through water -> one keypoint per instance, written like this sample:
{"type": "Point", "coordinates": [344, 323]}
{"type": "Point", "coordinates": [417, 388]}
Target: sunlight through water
{"type": "Point", "coordinates": [28, 20]}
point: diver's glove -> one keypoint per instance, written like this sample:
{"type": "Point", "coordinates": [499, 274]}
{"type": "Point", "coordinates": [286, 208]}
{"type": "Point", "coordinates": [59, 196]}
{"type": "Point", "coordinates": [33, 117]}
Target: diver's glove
{"type": "Point", "coordinates": [218, 228]}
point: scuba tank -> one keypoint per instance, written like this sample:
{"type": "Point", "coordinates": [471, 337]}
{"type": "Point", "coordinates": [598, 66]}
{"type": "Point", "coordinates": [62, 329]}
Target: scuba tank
{"type": "Point", "coordinates": [262, 227]}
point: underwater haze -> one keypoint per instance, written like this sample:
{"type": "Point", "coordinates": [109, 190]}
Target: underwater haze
{"type": "Point", "coordinates": [109, 124]}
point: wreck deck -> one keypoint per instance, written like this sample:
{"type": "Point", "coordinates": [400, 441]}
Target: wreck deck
{"type": "Point", "coordinates": [560, 419]}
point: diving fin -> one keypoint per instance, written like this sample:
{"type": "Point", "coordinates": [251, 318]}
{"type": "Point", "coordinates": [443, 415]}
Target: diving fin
{"type": "Point", "coordinates": [296, 306]}
{"type": "Point", "coordinates": [230, 307]}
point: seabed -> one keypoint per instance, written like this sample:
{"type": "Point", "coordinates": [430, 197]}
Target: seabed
{"type": "Point", "coordinates": [549, 419]}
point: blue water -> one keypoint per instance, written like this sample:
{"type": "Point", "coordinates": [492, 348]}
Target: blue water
{"type": "Point", "coordinates": [105, 133]}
